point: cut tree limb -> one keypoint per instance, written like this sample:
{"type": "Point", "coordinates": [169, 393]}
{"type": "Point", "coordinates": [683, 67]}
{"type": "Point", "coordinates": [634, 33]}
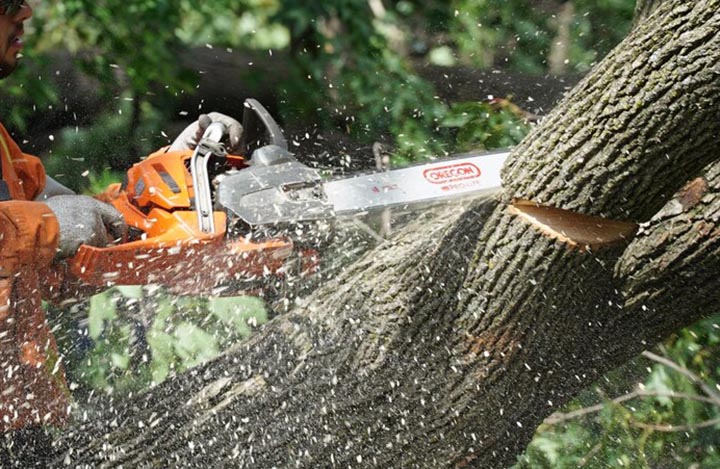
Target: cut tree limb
{"type": "Point", "coordinates": [575, 230]}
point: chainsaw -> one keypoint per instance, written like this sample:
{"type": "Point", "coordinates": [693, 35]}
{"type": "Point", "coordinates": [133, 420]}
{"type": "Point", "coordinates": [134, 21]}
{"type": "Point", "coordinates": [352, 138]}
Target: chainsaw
{"type": "Point", "coordinates": [204, 219]}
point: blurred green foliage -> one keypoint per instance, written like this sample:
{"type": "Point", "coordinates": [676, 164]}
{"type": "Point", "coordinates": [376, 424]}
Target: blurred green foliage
{"type": "Point", "coordinates": [353, 68]}
{"type": "Point", "coordinates": [135, 337]}
{"type": "Point", "coordinates": [521, 35]}
{"type": "Point", "coordinates": [27, 85]}
{"type": "Point", "coordinates": [496, 124]}
{"type": "Point", "coordinates": [353, 61]}
{"type": "Point", "coordinates": [668, 415]}
{"type": "Point", "coordinates": [344, 50]}
{"type": "Point", "coordinates": [85, 157]}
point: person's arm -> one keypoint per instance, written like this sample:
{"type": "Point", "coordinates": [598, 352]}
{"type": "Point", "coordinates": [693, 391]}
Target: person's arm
{"type": "Point", "coordinates": [29, 234]}
{"type": "Point", "coordinates": [75, 219]}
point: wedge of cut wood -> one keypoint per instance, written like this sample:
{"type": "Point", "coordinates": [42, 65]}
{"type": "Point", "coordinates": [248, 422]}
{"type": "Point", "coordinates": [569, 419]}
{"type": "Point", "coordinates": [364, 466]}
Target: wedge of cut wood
{"type": "Point", "coordinates": [576, 230]}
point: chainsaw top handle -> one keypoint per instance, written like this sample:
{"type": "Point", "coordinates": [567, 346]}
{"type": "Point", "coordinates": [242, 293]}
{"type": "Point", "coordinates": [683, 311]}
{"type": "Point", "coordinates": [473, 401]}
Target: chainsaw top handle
{"type": "Point", "coordinates": [208, 146]}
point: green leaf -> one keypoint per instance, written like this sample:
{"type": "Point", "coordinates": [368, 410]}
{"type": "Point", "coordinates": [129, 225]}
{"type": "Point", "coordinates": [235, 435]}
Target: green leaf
{"type": "Point", "coordinates": [660, 381]}
{"type": "Point", "coordinates": [130, 291]}
{"type": "Point", "coordinates": [237, 311]}
{"type": "Point", "coordinates": [193, 345]}
{"type": "Point", "coordinates": [120, 360]}
{"type": "Point", "coordinates": [163, 354]}
{"type": "Point", "coordinates": [102, 308]}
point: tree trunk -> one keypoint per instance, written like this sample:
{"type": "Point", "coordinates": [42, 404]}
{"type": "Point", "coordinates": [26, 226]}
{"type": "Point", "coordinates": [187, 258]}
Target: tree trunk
{"type": "Point", "coordinates": [559, 56]}
{"type": "Point", "coordinates": [448, 345]}
{"type": "Point", "coordinates": [643, 9]}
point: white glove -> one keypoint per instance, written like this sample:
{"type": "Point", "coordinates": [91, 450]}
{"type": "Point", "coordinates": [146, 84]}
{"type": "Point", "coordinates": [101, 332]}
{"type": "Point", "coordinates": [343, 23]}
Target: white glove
{"type": "Point", "coordinates": [189, 138]}
{"type": "Point", "coordinates": [84, 220]}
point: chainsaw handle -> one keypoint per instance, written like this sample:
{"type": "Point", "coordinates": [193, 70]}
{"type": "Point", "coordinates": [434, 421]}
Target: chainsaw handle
{"type": "Point", "coordinates": [259, 126]}
{"type": "Point", "coordinates": [208, 146]}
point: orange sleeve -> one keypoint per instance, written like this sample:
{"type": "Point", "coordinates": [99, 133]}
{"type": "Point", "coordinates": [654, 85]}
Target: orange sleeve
{"type": "Point", "coordinates": [24, 174]}
{"type": "Point", "coordinates": [29, 235]}
{"type": "Point", "coordinates": [31, 172]}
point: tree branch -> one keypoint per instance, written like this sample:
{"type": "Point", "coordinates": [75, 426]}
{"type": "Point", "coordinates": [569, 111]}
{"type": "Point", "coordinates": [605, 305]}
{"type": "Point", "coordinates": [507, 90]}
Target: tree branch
{"type": "Point", "coordinates": [559, 417]}
{"type": "Point", "coordinates": [715, 397]}
{"type": "Point", "coordinates": [669, 428]}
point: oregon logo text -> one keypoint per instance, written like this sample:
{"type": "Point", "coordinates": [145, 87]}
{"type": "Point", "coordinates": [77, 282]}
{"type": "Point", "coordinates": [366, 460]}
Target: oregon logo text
{"type": "Point", "coordinates": [451, 173]}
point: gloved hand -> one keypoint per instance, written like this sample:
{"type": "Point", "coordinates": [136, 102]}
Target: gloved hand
{"type": "Point", "coordinates": [84, 220]}
{"type": "Point", "coordinates": [189, 138]}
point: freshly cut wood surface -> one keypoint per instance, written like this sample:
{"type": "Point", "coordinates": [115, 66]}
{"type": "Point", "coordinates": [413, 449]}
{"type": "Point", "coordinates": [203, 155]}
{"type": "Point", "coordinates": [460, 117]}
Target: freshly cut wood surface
{"type": "Point", "coordinates": [572, 228]}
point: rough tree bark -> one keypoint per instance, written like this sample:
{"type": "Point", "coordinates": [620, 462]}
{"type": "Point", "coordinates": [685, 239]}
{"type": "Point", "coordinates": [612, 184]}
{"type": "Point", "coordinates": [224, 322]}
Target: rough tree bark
{"type": "Point", "coordinates": [643, 9]}
{"type": "Point", "coordinates": [448, 345]}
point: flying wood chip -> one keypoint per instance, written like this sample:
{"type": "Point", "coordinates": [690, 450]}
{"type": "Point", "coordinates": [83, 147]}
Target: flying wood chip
{"type": "Point", "coordinates": [574, 229]}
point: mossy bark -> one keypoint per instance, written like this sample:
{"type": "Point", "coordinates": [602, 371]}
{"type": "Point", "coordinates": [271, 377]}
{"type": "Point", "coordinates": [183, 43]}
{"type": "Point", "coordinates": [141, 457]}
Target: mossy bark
{"type": "Point", "coordinates": [449, 344]}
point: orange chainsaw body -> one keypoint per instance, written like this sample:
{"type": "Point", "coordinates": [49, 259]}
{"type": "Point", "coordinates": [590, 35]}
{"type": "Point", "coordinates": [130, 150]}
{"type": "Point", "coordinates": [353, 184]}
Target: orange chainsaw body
{"type": "Point", "coordinates": [166, 245]}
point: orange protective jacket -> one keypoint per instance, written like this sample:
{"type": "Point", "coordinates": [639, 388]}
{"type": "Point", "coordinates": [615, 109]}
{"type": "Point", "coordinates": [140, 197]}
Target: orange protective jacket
{"type": "Point", "coordinates": [32, 381]}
